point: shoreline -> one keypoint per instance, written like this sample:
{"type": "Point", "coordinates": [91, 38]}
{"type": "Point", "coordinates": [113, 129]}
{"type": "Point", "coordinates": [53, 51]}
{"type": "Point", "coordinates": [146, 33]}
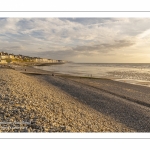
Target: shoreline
{"type": "Point", "coordinates": [33, 70]}
{"type": "Point", "coordinates": [36, 71]}
{"type": "Point", "coordinates": [123, 80]}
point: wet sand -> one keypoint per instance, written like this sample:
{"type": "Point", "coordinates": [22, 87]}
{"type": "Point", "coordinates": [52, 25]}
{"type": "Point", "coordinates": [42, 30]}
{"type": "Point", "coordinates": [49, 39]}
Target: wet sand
{"type": "Point", "coordinates": [71, 104]}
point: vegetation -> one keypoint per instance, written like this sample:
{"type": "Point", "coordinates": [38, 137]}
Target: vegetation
{"type": "Point", "coordinates": [8, 60]}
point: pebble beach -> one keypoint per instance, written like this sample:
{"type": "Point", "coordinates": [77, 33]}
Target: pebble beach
{"type": "Point", "coordinates": [32, 102]}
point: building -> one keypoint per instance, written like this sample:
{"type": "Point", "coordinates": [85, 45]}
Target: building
{"type": "Point", "coordinates": [4, 55]}
{"type": "Point", "coordinates": [54, 61]}
{"type": "Point", "coordinates": [61, 61]}
{"type": "Point", "coordinates": [45, 60]}
{"type": "Point", "coordinates": [3, 61]}
{"type": "Point", "coordinates": [37, 59]}
{"type": "Point", "coordinates": [50, 60]}
{"type": "Point", "coordinates": [11, 56]}
{"type": "Point", "coordinates": [1, 53]}
{"type": "Point", "coordinates": [20, 56]}
{"type": "Point", "coordinates": [16, 56]}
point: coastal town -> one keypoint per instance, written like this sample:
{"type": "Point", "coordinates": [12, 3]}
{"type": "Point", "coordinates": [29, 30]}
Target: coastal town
{"type": "Point", "coordinates": [6, 58]}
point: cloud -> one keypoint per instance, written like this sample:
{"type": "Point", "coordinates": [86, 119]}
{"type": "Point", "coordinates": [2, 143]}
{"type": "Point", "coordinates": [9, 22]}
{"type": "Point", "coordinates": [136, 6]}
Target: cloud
{"type": "Point", "coordinates": [12, 49]}
{"type": "Point", "coordinates": [73, 37]}
{"type": "Point", "coordinates": [60, 54]}
{"type": "Point", "coordinates": [106, 47]}
{"type": "Point", "coordinates": [85, 50]}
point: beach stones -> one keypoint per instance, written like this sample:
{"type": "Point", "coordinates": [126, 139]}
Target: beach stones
{"type": "Point", "coordinates": [41, 107]}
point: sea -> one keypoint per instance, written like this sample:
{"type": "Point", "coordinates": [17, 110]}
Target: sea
{"type": "Point", "coordinates": [134, 73]}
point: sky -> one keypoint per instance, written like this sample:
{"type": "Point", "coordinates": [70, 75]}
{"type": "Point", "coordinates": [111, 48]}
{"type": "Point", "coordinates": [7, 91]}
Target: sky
{"type": "Point", "coordinates": [93, 40]}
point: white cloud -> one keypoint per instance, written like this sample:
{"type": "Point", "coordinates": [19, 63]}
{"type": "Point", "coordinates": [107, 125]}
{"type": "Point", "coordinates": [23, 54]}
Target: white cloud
{"type": "Point", "coordinates": [75, 37]}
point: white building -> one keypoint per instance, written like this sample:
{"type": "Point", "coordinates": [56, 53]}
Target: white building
{"type": "Point", "coordinates": [11, 56]}
{"type": "Point", "coordinates": [45, 60]}
{"type": "Point", "coordinates": [4, 56]}
{"type": "Point", "coordinates": [61, 61]}
{"type": "Point", "coordinates": [50, 60]}
{"type": "Point", "coordinates": [37, 59]}
{"type": "Point", "coordinates": [54, 61]}
{"type": "Point", "coordinates": [2, 61]}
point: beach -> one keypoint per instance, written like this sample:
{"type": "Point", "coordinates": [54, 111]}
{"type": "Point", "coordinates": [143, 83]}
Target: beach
{"type": "Point", "coordinates": [33, 100]}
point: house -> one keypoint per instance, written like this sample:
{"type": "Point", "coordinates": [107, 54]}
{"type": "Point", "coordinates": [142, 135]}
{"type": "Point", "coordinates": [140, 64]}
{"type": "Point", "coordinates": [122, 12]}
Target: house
{"type": "Point", "coordinates": [3, 61]}
{"type": "Point", "coordinates": [4, 55]}
{"type": "Point", "coordinates": [55, 61]}
{"type": "Point", "coordinates": [37, 59]}
{"type": "Point", "coordinates": [61, 61]}
{"type": "Point", "coordinates": [16, 57]}
{"type": "Point", "coordinates": [45, 60]}
{"type": "Point", "coordinates": [1, 53]}
{"type": "Point", "coordinates": [25, 57]}
{"type": "Point", "coordinates": [20, 56]}
{"type": "Point", "coordinates": [50, 60]}
{"type": "Point", "coordinates": [11, 56]}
